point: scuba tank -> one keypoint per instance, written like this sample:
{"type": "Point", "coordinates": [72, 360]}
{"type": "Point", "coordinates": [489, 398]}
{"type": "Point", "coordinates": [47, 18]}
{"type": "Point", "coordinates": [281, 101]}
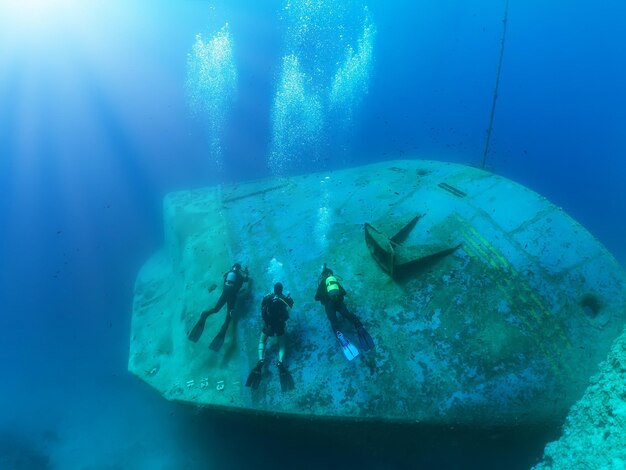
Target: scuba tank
{"type": "Point", "coordinates": [231, 278]}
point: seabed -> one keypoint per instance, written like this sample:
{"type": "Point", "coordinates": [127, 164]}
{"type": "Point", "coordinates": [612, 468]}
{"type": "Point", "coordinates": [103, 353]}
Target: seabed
{"type": "Point", "coordinates": [501, 310]}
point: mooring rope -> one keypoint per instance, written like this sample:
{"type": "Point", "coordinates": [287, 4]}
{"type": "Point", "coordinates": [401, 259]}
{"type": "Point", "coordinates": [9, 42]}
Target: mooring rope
{"type": "Point", "coordinates": [495, 91]}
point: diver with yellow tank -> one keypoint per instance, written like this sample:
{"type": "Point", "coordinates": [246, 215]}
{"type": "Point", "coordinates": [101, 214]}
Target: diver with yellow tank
{"type": "Point", "coordinates": [330, 294]}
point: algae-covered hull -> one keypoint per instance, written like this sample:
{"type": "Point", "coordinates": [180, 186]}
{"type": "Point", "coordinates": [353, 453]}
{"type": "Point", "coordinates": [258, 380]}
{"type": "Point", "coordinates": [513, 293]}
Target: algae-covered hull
{"type": "Point", "coordinates": [504, 310]}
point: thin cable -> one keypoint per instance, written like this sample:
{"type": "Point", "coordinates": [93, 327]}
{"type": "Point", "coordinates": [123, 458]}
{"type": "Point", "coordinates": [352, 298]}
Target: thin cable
{"type": "Point", "coordinates": [495, 91]}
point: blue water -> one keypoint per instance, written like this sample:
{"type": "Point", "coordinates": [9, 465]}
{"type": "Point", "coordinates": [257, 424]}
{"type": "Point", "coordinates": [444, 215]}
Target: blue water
{"type": "Point", "coordinates": [103, 111]}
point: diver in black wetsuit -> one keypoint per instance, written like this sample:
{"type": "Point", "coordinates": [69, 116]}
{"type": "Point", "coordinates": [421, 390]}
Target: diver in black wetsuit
{"type": "Point", "coordinates": [233, 280]}
{"type": "Point", "coordinates": [275, 308]}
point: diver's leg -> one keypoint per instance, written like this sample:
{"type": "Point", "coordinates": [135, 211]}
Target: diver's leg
{"type": "Point", "coordinates": [220, 303]}
{"type": "Point", "coordinates": [282, 347]}
{"type": "Point", "coordinates": [351, 317]}
{"type": "Point", "coordinates": [262, 343]}
{"type": "Point", "coordinates": [231, 298]}
{"type": "Point", "coordinates": [282, 340]}
{"type": "Point", "coordinates": [329, 307]}
{"type": "Point", "coordinates": [226, 323]}
{"type": "Point", "coordinates": [286, 380]}
{"type": "Point", "coordinates": [365, 339]}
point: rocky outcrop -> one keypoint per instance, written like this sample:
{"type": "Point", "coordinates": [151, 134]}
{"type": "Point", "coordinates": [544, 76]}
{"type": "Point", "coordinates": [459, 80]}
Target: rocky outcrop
{"type": "Point", "coordinates": [594, 433]}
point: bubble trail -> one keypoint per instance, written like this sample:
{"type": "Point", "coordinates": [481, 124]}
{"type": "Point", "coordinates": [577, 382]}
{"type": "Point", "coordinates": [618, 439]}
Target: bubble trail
{"type": "Point", "coordinates": [211, 85]}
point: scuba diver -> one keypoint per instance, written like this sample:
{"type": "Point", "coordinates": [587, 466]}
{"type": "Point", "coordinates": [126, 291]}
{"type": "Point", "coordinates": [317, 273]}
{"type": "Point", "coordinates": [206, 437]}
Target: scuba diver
{"type": "Point", "coordinates": [233, 280]}
{"type": "Point", "coordinates": [330, 294]}
{"type": "Point", "coordinates": [274, 312]}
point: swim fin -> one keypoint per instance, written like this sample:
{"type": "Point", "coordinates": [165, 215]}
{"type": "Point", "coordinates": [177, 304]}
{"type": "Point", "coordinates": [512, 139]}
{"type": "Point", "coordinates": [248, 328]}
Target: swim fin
{"type": "Point", "coordinates": [365, 339]}
{"type": "Point", "coordinates": [349, 349]}
{"type": "Point", "coordinates": [218, 341]}
{"type": "Point", "coordinates": [196, 331]}
{"type": "Point", "coordinates": [286, 380]}
{"type": "Point", "coordinates": [254, 379]}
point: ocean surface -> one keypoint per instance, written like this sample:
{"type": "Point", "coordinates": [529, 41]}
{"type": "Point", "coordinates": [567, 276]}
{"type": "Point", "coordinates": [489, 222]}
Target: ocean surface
{"type": "Point", "coordinates": [106, 106]}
